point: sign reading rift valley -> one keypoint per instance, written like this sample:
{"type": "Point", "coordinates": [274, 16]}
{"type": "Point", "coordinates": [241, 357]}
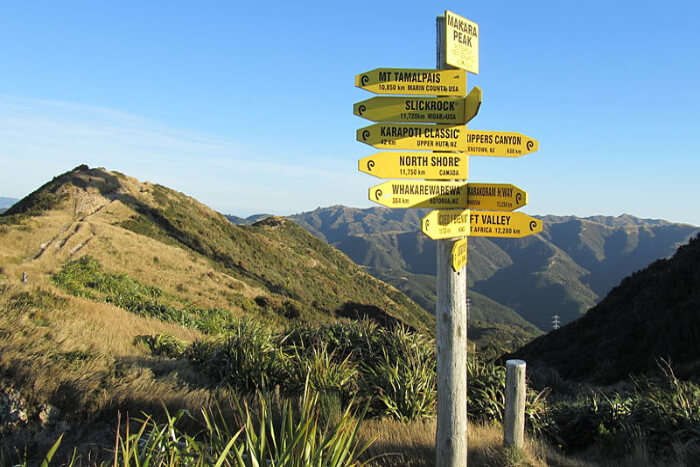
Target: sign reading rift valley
{"type": "Point", "coordinates": [420, 194]}
{"type": "Point", "coordinates": [434, 166]}
{"type": "Point", "coordinates": [502, 225]}
{"type": "Point", "coordinates": [452, 110]}
{"type": "Point", "coordinates": [408, 81]}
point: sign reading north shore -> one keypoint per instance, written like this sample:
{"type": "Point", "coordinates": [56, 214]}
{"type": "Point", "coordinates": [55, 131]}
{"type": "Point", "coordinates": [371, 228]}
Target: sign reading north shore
{"type": "Point", "coordinates": [408, 81]}
{"type": "Point", "coordinates": [461, 42]}
{"type": "Point", "coordinates": [451, 110]}
{"type": "Point", "coordinates": [503, 225]}
{"type": "Point", "coordinates": [446, 223]}
{"type": "Point", "coordinates": [419, 194]}
{"type": "Point", "coordinates": [495, 196]}
{"type": "Point", "coordinates": [414, 137]}
{"type": "Point", "coordinates": [434, 166]}
{"type": "Point", "coordinates": [459, 254]}
{"type": "Point", "coordinates": [499, 144]}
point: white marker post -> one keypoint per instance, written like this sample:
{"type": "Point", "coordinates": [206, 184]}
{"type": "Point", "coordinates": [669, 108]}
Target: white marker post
{"type": "Point", "coordinates": [451, 317]}
{"type": "Point", "coordinates": [514, 417]}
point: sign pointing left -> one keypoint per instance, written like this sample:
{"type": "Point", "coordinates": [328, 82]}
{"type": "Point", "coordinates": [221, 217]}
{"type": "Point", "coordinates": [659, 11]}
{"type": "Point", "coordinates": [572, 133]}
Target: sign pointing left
{"type": "Point", "coordinates": [407, 81]}
{"type": "Point", "coordinates": [454, 110]}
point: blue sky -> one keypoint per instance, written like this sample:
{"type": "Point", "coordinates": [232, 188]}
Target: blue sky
{"type": "Point", "coordinates": [248, 106]}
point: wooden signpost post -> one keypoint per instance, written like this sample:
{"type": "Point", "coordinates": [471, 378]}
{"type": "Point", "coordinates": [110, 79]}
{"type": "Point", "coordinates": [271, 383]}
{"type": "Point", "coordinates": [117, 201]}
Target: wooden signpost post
{"type": "Point", "coordinates": [463, 209]}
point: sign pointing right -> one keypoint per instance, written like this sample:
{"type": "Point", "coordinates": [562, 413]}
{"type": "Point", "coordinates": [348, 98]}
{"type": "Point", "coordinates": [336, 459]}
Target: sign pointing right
{"type": "Point", "coordinates": [499, 143]}
{"type": "Point", "coordinates": [502, 224]}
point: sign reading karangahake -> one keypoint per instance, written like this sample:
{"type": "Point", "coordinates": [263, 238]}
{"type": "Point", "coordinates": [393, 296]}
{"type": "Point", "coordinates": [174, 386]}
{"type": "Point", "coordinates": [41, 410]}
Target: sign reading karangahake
{"type": "Point", "coordinates": [407, 81]}
{"type": "Point", "coordinates": [502, 225]}
{"type": "Point", "coordinates": [446, 223]}
{"type": "Point", "coordinates": [456, 195]}
{"type": "Point", "coordinates": [413, 136]}
{"type": "Point", "coordinates": [433, 166]}
{"type": "Point", "coordinates": [448, 110]}
{"type": "Point", "coordinates": [461, 42]}
{"type": "Point", "coordinates": [459, 254]}
{"type": "Point", "coordinates": [498, 143]}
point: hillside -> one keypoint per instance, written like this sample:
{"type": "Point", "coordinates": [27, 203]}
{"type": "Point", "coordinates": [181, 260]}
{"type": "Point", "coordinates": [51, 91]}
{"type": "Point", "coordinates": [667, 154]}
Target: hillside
{"type": "Point", "coordinates": [565, 270]}
{"type": "Point", "coordinates": [164, 238]}
{"type": "Point", "coordinates": [6, 203]}
{"type": "Point", "coordinates": [652, 314]}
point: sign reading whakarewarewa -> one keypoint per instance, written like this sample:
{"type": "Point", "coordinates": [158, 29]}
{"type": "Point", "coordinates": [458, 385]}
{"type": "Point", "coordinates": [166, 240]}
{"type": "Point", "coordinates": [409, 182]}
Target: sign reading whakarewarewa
{"type": "Point", "coordinates": [433, 166]}
{"type": "Point", "coordinates": [452, 110]}
{"type": "Point", "coordinates": [424, 194]}
{"type": "Point", "coordinates": [461, 42]}
{"type": "Point", "coordinates": [407, 81]}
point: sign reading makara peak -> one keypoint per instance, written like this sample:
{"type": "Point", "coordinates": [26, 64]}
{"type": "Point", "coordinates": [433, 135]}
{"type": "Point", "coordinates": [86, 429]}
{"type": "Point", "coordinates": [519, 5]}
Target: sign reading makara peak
{"type": "Point", "coordinates": [461, 42]}
{"type": "Point", "coordinates": [430, 165]}
{"type": "Point", "coordinates": [408, 81]}
{"type": "Point", "coordinates": [452, 110]}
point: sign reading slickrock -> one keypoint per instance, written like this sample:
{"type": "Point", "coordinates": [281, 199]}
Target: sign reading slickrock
{"type": "Point", "coordinates": [419, 194]}
{"type": "Point", "coordinates": [503, 225]}
{"type": "Point", "coordinates": [453, 110]}
{"type": "Point", "coordinates": [434, 166]}
{"type": "Point", "coordinates": [459, 254]}
{"type": "Point", "coordinates": [446, 223]}
{"type": "Point", "coordinates": [406, 81]}
{"type": "Point", "coordinates": [413, 137]}
{"type": "Point", "coordinates": [461, 42]}
{"type": "Point", "coordinates": [498, 143]}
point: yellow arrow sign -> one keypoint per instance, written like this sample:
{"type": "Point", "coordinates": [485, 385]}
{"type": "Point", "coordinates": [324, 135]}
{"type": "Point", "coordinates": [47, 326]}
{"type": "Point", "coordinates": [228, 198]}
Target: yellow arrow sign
{"type": "Point", "coordinates": [459, 254]}
{"type": "Point", "coordinates": [412, 137]}
{"type": "Point", "coordinates": [430, 165]}
{"type": "Point", "coordinates": [446, 223]}
{"type": "Point", "coordinates": [503, 225]}
{"type": "Point", "coordinates": [499, 143]}
{"type": "Point", "coordinates": [454, 110]}
{"type": "Point", "coordinates": [414, 81]}
{"type": "Point", "coordinates": [461, 42]}
{"type": "Point", "coordinates": [420, 194]}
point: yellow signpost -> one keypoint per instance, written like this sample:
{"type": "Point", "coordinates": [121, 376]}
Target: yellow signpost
{"type": "Point", "coordinates": [459, 254]}
{"type": "Point", "coordinates": [414, 136]}
{"type": "Point", "coordinates": [461, 42]}
{"type": "Point", "coordinates": [452, 110]}
{"type": "Point", "coordinates": [498, 143]}
{"type": "Point", "coordinates": [407, 81]}
{"type": "Point", "coordinates": [446, 223]}
{"type": "Point", "coordinates": [430, 165]}
{"type": "Point", "coordinates": [503, 225]}
{"type": "Point", "coordinates": [424, 194]}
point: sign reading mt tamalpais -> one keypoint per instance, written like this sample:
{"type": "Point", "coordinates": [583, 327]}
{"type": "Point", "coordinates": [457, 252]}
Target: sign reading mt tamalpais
{"type": "Point", "coordinates": [408, 81]}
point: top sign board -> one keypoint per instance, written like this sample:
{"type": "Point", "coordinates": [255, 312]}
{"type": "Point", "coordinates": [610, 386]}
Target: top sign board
{"type": "Point", "coordinates": [414, 82]}
{"type": "Point", "coordinates": [461, 42]}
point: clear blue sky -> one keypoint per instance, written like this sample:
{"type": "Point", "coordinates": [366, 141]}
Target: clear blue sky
{"type": "Point", "coordinates": [247, 106]}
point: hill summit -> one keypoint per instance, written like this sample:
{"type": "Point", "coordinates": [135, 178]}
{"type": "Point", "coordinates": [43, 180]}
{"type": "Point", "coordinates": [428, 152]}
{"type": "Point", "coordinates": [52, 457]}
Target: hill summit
{"type": "Point", "coordinates": [272, 269]}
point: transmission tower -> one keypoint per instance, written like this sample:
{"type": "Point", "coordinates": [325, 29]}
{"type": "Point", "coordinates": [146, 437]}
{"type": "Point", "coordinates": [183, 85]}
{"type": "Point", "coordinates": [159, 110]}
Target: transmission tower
{"type": "Point", "coordinates": [555, 322]}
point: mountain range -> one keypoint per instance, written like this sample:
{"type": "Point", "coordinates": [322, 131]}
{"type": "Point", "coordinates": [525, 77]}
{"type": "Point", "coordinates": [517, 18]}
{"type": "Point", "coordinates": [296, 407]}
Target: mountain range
{"type": "Point", "coordinates": [565, 270]}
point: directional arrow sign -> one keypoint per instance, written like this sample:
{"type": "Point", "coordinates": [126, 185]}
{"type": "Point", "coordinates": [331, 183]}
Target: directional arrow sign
{"type": "Point", "coordinates": [495, 196]}
{"type": "Point", "coordinates": [503, 225]}
{"type": "Point", "coordinates": [412, 137]}
{"type": "Point", "coordinates": [434, 166]}
{"type": "Point", "coordinates": [414, 82]}
{"type": "Point", "coordinates": [446, 223]}
{"type": "Point", "coordinates": [454, 110]}
{"type": "Point", "coordinates": [459, 254]}
{"type": "Point", "coordinates": [419, 194]}
{"type": "Point", "coordinates": [499, 143]}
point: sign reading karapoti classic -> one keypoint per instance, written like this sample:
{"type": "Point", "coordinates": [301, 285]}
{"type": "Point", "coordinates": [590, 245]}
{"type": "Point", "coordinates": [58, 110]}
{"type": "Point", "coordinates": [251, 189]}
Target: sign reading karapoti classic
{"type": "Point", "coordinates": [414, 136]}
{"type": "Point", "coordinates": [430, 165]}
{"type": "Point", "coordinates": [408, 81]}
